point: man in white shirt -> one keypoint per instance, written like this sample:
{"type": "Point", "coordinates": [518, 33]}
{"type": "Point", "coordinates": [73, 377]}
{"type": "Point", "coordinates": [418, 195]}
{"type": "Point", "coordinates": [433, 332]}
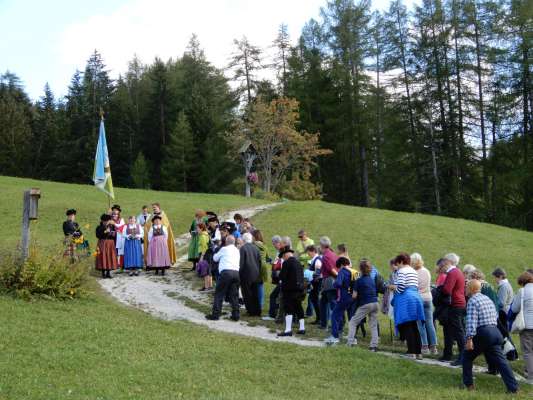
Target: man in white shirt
{"type": "Point", "coordinates": [144, 216]}
{"type": "Point", "coordinates": [228, 258]}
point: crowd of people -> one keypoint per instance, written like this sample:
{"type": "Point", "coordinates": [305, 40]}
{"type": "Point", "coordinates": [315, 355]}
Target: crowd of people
{"type": "Point", "coordinates": [233, 260]}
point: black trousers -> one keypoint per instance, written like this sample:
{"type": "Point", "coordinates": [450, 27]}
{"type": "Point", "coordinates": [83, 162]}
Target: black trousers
{"type": "Point", "coordinates": [314, 297]}
{"type": "Point", "coordinates": [454, 331]}
{"type": "Point", "coordinates": [251, 298]}
{"type": "Point", "coordinates": [274, 305]}
{"type": "Point", "coordinates": [227, 284]}
{"type": "Point", "coordinates": [410, 333]}
{"type": "Point", "coordinates": [292, 302]}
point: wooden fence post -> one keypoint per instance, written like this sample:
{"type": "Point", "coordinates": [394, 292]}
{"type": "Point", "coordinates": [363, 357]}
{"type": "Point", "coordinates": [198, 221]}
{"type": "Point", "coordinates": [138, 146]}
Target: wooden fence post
{"type": "Point", "coordinates": [25, 226]}
{"type": "Point", "coordinates": [29, 212]}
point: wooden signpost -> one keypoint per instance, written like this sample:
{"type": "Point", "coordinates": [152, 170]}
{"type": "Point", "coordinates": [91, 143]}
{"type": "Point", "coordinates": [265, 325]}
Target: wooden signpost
{"type": "Point", "coordinates": [30, 212]}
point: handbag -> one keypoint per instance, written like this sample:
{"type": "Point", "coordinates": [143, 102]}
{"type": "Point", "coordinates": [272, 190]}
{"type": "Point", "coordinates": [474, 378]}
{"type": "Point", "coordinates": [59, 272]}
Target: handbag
{"type": "Point", "coordinates": [327, 284]}
{"type": "Point", "coordinates": [509, 350]}
{"type": "Point", "coordinates": [519, 324]}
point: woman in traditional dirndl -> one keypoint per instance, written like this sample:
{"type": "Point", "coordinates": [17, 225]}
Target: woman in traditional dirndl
{"type": "Point", "coordinates": [133, 256]}
{"type": "Point", "coordinates": [106, 255]}
{"type": "Point", "coordinates": [158, 257]}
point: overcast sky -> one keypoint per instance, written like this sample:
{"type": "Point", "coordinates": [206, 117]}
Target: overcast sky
{"type": "Point", "coordinates": [46, 41]}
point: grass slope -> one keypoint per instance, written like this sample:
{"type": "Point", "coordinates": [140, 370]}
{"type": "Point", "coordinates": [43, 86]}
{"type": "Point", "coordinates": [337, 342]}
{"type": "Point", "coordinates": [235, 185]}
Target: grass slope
{"type": "Point", "coordinates": [95, 348]}
{"type": "Point", "coordinates": [90, 203]}
{"type": "Point", "coordinates": [380, 235]}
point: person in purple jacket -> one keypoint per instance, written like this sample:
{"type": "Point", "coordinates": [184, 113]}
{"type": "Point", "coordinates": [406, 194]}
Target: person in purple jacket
{"type": "Point", "coordinates": [343, 284]}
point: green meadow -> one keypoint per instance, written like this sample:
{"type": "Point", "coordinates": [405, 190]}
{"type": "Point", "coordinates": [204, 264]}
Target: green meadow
{"type": "Point", "coordinates": [96, 348]}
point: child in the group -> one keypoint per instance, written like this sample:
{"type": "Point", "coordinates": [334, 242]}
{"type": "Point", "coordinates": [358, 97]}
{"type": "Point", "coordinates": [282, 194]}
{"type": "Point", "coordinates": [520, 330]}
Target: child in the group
{"type": "Point", "coordinates": [133, 256]}
{"type": "Point", "coordinates": [199, 217]}
{"type": "Point", "coordinates": [203, 264]}
{"type": "Point", "coordinates": [157, 257]}
{"type": "Point", "coordinates": [106, 257]}
{"type": "Point", "coordinates": [343, 285]}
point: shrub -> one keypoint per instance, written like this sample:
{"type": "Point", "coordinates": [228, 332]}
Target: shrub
{"type": "Point", "coordinates": [262, 195]}
{"type": "Point", "coordinates": [301, 189]}
{"type": "Point", "coordinates": [42, 277]}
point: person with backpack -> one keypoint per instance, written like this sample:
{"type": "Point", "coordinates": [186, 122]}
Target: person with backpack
{"type": "Point", "coordinates": [364, 292]}
{"type": "Point", "coordinates": [343, 284]}
{"type": "Point", "coordinates": [293, 291]}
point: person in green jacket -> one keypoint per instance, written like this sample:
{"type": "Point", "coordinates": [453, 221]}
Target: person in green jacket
{"type": "Point", "coordinates": [264, 272]}
{"type": "Point", "coordinates": [304, 242]}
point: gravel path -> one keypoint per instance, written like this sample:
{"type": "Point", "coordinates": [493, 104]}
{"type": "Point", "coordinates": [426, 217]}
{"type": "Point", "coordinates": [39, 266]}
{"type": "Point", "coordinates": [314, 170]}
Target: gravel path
{"type": "Point", "coordinates": [164, 297]}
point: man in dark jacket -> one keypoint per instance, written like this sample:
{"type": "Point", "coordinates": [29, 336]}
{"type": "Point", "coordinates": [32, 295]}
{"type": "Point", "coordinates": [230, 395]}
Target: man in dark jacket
{"type": "Point", "coordinates": [293, 291]}
{"type": "Point", "coordinates": [250, 267]}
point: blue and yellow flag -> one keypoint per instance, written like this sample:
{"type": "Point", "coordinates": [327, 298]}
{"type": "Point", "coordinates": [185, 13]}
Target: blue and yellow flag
{"type": "Point", "coordinates": [102, 170]}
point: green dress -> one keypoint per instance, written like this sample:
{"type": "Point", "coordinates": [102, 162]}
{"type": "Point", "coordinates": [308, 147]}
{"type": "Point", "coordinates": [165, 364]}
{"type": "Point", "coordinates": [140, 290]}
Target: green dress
{"type": "Point", "coordinates": [193, 244]}
{"type": "Point", "coordinates": [264, 265]}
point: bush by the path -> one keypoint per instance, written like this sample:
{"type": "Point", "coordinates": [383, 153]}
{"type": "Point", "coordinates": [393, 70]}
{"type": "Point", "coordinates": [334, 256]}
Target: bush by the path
{"type": "Point", "coordinates": [42, 276]}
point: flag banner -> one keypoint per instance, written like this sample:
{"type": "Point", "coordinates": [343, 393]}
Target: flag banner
{"type": "Point", "coordinates": [102, 170]}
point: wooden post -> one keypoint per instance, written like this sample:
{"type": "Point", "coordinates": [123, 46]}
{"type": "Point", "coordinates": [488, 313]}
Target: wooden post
{"type": "Point", "coordinates": [25, 243]}
{"type": "Point", "coordinates": [29, 212]}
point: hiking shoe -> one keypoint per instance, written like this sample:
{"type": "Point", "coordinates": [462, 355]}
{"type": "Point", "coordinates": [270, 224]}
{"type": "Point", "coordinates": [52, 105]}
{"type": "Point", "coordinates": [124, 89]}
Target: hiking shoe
{"type": "Point", "coordinates": [409, 356]}
{"type": "Point", "coordinates": [373, 349]}
{"type": "Point", "coordinates": [283, 334]}
{"type": "Point", "coordinates": [234, 318]}
{"type": "Point", "coordinates": [331, 340]}
{"type": "Point", "coordinates": [351, 343]}
{"type": "Point", "coordinates": [419, 357]}
{"type": "Point", "coordinates": [425, 350]}
{"type": "Point", "coordinates": [211, 317]}
{"type": "Point", "coordinates": [433, 350]}
{"type": "Point", "coordinates": [301, 332]}
{"type": "Point", "coordinates": [445, 359]}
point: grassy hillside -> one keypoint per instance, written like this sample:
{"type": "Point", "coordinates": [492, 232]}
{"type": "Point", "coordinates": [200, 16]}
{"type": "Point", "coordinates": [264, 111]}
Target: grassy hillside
{"type": "Point", "coordinates": [380, 235]}
{"type": "Point", "coordinates": [95, 348]}
{"type": "Point", "coordinates": [90, 203]}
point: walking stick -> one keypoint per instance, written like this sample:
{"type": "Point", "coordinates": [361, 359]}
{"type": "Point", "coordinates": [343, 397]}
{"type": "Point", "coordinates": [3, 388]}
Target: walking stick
{"type": "Point", "coordinates": [391, 335]}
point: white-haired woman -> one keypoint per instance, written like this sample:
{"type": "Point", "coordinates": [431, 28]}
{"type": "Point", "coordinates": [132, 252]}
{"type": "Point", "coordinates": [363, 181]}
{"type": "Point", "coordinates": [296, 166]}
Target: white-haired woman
{"type": "Point", "coordinates": [428, 336]}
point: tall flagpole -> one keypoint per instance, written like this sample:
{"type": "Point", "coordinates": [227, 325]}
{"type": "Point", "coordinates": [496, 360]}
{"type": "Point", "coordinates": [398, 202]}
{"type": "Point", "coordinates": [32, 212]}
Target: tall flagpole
{"type": "Point", "coordinates": [108, 196]}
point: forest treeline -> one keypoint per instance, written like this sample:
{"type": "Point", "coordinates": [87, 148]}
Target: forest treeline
{"type": "Point", "coordinates": [426, 109]}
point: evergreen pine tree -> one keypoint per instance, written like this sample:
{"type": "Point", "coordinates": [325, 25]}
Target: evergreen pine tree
{"type": "Point", "coordinates": [178, 157]}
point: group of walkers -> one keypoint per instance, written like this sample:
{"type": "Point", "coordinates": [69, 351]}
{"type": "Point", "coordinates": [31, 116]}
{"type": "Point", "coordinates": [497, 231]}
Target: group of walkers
{"type": "Point", "coordinates": [474, 316]}
{"type": "Point", "coordinates": [233, 260]}
{"type": "Point", "coordinates": [145, 241]}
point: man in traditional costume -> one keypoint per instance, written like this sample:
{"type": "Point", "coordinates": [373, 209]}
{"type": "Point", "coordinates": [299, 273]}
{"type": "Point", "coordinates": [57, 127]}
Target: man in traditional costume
{"type": "Point", "coordinates": [170, 236]}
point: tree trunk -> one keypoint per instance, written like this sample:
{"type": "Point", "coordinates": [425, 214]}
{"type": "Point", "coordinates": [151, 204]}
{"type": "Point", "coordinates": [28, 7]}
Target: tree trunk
{"type": "Point", "coordinates": [414, 138]}
{"type": "Point", "coordinates": [481, 115]}
{"type": "Point", "coordinates": [379, 130]}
